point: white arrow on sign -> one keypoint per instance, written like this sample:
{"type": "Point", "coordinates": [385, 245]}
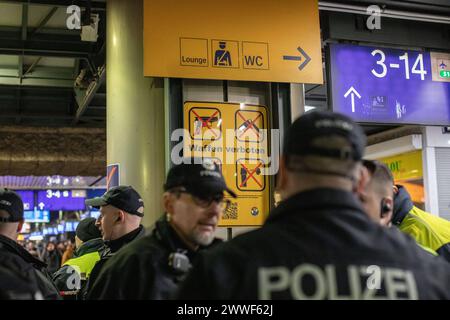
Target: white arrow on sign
{"type": "Point", "coordinates": [41, 206]}
{"type": "Point", "coordinates": [353, 92]}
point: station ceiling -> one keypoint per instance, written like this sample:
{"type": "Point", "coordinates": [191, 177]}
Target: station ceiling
{"type": "Point", "coordinates": [40, 59]}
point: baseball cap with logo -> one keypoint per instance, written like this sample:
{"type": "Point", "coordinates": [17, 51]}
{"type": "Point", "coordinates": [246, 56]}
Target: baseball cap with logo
{"type": "Point", "coordinates": [299, 139]}
{"type": "Point", "coordinates": [122, 197]}
{"type": "Point", "coordinates": [11, 203]}
{"type": "Point", "coordinates": [200, 177]}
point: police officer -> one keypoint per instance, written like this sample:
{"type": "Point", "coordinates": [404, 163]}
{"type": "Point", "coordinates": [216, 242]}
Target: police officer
{"type": "Point", "coordinates": [378, 199]}
{"type": "Point", "coordinates": [15, 258]}
{"type": "Point", "coordinates": [319, 243]}
{"type": "Point", "coordinates": [121, 212]}
{"type": "Point", "coordinates": [153, 267]}
{"type": "Point", "coordinates": [75, 272]}
{"type": "Point", "coordinates": [378, 196]}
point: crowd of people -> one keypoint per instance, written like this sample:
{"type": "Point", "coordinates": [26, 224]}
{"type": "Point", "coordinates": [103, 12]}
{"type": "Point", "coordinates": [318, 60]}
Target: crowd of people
{"type": "Point", "coordinates": [341, 220]}
{"type": "Point", "coordinates": [54, 254]}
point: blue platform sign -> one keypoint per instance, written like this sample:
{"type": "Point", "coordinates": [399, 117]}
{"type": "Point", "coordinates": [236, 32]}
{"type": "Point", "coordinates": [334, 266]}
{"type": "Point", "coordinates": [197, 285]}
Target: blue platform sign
{"type": "Point", "coordinates": [380, 85]}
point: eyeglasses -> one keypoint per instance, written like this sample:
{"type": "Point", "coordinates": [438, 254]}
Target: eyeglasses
{"type": "Point", "coordinates": [205, 202]}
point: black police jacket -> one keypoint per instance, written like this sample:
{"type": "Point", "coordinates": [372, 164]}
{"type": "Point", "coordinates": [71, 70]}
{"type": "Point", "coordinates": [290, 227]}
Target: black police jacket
{"type": "Point", "coordinates": [31, 270]}
{"type": "Point", "coordinates": [318, 244]}
{"type": "Point", "coordinates": [14, 287]}
{"type": "Point", "coordinates": [147, 268]}
{"type": "Point", "coordinates": [107, 251]}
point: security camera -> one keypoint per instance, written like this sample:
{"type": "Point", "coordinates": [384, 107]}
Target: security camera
{"type": "Point", "coordinates": [89, 32]}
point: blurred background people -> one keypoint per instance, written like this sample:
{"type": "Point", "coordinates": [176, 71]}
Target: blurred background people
{"type": "Point", "coordinates": [52, 257]}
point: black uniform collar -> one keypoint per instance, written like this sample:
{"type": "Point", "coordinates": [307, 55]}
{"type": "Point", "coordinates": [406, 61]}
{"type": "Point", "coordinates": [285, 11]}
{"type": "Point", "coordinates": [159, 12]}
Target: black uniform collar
{"type": "Point", "coordinates": [115, 245]}
{"type": "Point", "coordinates": [88, 247]}
{"type": "Point", "coordinates": [402, 205]}
{"type": "Point", "coordinates": [316, 199]}
{"type": "Point", "coordinates": [13, 247]}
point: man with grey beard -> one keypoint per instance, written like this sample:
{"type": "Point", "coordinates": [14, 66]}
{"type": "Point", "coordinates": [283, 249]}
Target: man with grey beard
{"type": "Point", "coordinates": [154, 266]}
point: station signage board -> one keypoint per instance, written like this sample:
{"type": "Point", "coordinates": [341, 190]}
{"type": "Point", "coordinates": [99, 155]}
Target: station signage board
{"type": "Point", "coordinates": [27, 197]}
{"type": "Point", "coordinates": [252, 40]}
{"type": "Point", "coordinates": [236, 137]}
{"type": "Point", "coordinates": [390, 86]}
{"type": "Point", "coordinates": [55, 200]}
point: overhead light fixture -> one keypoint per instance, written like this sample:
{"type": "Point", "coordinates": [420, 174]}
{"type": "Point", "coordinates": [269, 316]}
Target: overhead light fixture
{"type": "Point", "coordinates": [89, 32]}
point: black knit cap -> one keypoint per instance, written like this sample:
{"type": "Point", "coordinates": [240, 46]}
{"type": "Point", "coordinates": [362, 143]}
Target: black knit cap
{"type": "Point", "coordinates": [87, 230]}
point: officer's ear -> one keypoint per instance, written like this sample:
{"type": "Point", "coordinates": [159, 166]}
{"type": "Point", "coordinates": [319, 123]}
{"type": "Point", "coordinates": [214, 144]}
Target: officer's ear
{"type": "Point", "coordinates": [168, 202]}
{"type": "Point", "coordinates": [121, 217]}
{"type": "Point", "coordinates": [395, 188]}
{"type": "Point", "coordinates": [387, 210]}
{"type": "Point", "coordinates": [361, 181]}
{"type": "Point", "coordinates": [20, 225]}
{"type": "Point", "coordinates": [281, 176]}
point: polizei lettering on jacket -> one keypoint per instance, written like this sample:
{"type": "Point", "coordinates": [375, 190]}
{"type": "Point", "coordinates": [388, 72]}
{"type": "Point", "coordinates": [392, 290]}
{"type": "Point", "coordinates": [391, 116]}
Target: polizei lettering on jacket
{"type": "Point", "coordinates": [312, 282]}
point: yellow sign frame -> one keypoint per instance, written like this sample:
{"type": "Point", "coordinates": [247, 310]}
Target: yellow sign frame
{"type": "Point", "coordinates": [251, 40]}
{"type": "Point", "coordinates": [241, 158]}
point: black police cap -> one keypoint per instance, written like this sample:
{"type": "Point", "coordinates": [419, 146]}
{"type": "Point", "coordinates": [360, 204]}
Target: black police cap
{"type": "Point", "coordinates": [11, 202]}
{"type": "Point", "coordinates": [122, 197]}
{"type": "Point", "coordinates": [299, 137]}
{"type": "Point", "coordinates": [200, 177]}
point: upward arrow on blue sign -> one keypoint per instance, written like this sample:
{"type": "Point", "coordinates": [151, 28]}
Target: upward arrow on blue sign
{"type": "Point", "coordinates": [353, 92]}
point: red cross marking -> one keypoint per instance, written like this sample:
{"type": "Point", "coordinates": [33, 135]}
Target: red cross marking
{"type": "Point", "coordinates": [250, 125]}
{"type": "Point", "coordinates": [250, 174]}
{"type": "Point", "coordinates": [207, 122]}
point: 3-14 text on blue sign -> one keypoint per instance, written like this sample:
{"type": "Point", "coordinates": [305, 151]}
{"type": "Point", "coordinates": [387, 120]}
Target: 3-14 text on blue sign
{"type": "Point", "coordinates": [382, 85]}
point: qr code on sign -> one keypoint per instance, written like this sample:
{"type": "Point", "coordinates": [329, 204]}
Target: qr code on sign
{"type": "Point", "coordinates": [231, 212]}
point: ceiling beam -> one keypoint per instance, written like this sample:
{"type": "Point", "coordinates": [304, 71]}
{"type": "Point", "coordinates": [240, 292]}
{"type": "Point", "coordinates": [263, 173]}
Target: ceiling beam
{"type": "Point", "coordinates": [45, 20]}
{"type": "Point", "coordinates": [95, 5]}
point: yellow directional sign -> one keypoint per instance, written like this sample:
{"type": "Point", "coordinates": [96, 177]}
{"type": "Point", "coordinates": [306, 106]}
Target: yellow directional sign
{"type": "Point", "coordinates": [253, 40]}
{"type": "Point", "coordinates": [235, 136]}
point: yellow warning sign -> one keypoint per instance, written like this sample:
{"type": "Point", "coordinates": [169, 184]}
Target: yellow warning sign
{"type": "Point", "coordinates": [251, 40]}
{"type": "Point", "coordinates": [236, 136]}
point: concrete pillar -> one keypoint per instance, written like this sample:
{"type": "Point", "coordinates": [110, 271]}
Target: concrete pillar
{"type": "Point", "coordinates": [135, 108]}
{"type": "Point", "coordinates": [297, 100]}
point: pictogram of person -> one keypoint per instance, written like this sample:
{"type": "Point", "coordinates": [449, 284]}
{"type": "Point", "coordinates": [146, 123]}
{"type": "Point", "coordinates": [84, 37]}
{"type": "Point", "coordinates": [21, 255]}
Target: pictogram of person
{"type": "Point", "coordinates": [222, 57]}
